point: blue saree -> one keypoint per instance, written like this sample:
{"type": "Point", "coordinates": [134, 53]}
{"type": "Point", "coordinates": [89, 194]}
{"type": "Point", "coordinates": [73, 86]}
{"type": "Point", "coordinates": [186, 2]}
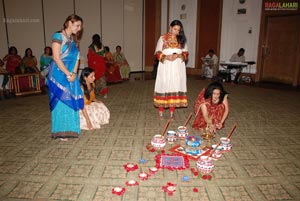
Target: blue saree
{"type": "Point", "coordinates": [65, 98]}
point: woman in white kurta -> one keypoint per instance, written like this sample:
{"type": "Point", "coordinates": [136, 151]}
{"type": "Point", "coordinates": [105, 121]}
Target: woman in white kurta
{"type": "Point", "coordinates": [170, 86]}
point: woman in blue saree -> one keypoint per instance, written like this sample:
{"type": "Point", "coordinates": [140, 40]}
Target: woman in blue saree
{"type": "Point", "coordinates": [65, 94]}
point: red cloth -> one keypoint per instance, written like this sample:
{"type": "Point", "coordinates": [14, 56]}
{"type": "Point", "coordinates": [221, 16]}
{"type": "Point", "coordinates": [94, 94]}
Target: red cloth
{"type": "Point", "coordinates": [96, 62]}
{"type": "Point", "coordinates": [113, 73]}
{"type": "Point", "coordinates": [215, 111]}
{"type": "Point", "coordinates": [13, 61]}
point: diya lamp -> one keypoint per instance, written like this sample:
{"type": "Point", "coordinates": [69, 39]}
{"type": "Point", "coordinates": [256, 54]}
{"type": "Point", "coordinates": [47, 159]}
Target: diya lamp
{"type": "Point", "coordinates": [153, 170]}
{"type": "Point", "coordinates": [118, 190]}
{"type": "Point", "coordinates": [143, 176]}
{"type": "Point", "coordinates": [132, 183]}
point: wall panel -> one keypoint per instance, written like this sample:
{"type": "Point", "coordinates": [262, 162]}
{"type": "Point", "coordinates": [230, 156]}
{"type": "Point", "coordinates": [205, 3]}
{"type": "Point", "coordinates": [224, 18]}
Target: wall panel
{"type": "Point", "coordinates": [3, 38]}
{"type": "Point", "coordinates": [25, 25]}
{"type": "Point", "coordinates": [91, 15]}
{"type": "Point", "coordinates": [133, 33]}
{"type": "Point", "coordinates": [186, 12]}
{"type": "Point", "coordinates": [113, 23]}
{"type": "Point", "coordinates": [240, 30]}
{"type": "Point", "coordinates": [56, 12]}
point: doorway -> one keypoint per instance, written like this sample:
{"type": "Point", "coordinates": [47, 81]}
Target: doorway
{"type": "Point", "coordinates": [280, 50]}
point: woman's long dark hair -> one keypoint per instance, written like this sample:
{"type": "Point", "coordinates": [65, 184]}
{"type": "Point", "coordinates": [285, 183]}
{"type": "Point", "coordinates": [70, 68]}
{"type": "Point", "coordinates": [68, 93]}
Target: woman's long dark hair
{"type": "Point", "coordinates": [97, 41]}
{"type": "Point", "coordinates": [181, 36]}
{"type": "Point", "coordinates": [28, 49]}
{"type": "Point", "coordinates": [210, 88]}
{"type": "Point", "coordinates": [85, 73]}
{"type": "Point", "coordinates": [11, 49]}
{"type": "Point", "coordinates": [50, 52]}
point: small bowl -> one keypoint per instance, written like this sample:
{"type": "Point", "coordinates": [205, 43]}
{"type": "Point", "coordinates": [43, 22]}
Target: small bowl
{"type": "Point", "coordinates": [182, 129]}
{"type": "Point", "coordinates": [172, 133]}
{"type": "Point", "coordinates": [224, 140]}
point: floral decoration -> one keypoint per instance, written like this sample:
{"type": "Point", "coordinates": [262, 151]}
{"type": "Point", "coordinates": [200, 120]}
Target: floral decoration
{"type": "Point", "coordinates": [170, 188]}
{"type": "Point", "coordinates": [130, 167]}
{"type": "Point", "coordinates": [132, 183]}
{"type": "Point", "coordinates": [144, 176]}
{"type": "Point", "coordinates": [118, 191]}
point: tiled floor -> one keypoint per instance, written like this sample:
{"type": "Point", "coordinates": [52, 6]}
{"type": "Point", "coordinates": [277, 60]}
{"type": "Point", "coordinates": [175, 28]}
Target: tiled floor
{"type": "Point", "coordinates": [263, 164]}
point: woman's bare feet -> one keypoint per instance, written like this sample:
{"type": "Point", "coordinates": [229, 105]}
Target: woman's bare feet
{"type": "Point", "coordinates": [172, 115]}
{"type": "Point", "coordinates": [161, 115]}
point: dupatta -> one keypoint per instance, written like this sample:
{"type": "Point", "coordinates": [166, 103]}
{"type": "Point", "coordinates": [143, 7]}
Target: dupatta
{"type": "Point", "coordinates": [60, 89]}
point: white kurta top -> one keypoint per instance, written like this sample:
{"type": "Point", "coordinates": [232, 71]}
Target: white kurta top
{"type": "Point", "coordinates": [171, 75]}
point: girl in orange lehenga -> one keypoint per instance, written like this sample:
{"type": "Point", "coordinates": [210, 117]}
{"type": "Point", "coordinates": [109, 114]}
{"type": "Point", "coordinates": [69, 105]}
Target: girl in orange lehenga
{"type": "Point", "coordinates": [211, 108]}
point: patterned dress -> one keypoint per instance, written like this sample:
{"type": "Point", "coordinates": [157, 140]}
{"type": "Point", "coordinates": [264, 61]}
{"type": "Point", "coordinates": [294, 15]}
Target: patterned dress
{"type": "Point", "coordinates": [170, 85]}
{"type": "Point", "coordinates": [98, 113]}
{"type": "Point", "coordinates": [215, 112]}
{"type": "Point", "coordinates": [124, 67]}
{"type": "Point", "coordinates": [97, 62]}
{"type": "Point", "coordinates": [65, 98]}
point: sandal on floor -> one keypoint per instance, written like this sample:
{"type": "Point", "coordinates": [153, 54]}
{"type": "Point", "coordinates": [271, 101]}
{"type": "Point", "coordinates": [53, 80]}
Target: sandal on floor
{"type": "Point", "coordinates": [63, 139]}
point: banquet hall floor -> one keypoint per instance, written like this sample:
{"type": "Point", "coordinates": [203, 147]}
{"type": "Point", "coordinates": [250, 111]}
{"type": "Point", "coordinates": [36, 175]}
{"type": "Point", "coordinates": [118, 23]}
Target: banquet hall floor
{"type": "Point", "coordinates": [263, 164]}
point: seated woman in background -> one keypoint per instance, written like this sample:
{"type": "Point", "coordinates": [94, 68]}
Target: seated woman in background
{"type": "Point", "coordinates": [28, 65]}
{"type": "Point", "coordinates": [211, 108]}
{"type": "Point", "coordinates": [95, 113]}
{"type": "Point", "coordinates": [112, 70]}
{"type": "Point", "coordinates": [45, 59]}
{"type": "Point", "coordinates": [120, 60]}
{"type": "Point", "coordinates": [13, 61]}
{"type": "Point", "coordinates": [29, 61]}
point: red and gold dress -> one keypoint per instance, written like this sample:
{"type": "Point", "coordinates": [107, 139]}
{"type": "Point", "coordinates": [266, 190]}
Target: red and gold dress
{"type": "Point", "coordinates": [170, 85]}
{"type": "Point", "coordinates": [215, 111]}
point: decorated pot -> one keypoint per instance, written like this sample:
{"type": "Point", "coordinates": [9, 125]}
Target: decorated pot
{"type": "Point", "coordinates": [158, 142]}
{"type": "Point", "coordinates": [182, 133]}
{"type": "Point", "coordinates": [171, 136]}
{"type": "Point", "coordinates": [205, 165]}
{"type": "Point", "coordinates": [225, 143]}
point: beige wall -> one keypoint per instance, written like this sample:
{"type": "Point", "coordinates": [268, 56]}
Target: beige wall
{"type": "Point", "coordinates": [119, 22]}
{"type": "Point", "coordinates": [3, 38]}
{"type": "Point", "coordinates": [235, 30]}
{"type": "Point", "coordinates": [24, 26]}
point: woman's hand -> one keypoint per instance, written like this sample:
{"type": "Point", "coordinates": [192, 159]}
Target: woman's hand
{"type": "Point", "coordinates": [219, 125]}
{"type": "Point", "coordinates": [212, 129]}
{"type": "Point", "coordinates": [173, 57]}
{"type": "Point", "coordinates": [71, 77]}
{"type": "Point", "coordinates": [89, 125]}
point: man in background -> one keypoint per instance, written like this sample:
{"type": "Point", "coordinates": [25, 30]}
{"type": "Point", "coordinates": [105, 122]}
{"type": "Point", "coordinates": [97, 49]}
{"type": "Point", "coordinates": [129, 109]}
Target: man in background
{"type": "Point", "coordinates": [236, 72]}
{"type": "Point", "coordinates": [210, 65]}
